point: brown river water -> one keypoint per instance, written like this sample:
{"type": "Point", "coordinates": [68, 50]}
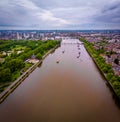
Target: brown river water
{"type": "Point", "coordinates": [70, 90]}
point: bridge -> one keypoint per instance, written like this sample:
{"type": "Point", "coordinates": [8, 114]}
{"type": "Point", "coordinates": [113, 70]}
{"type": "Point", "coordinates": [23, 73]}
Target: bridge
{"type": "Point", "coordinates": [69, 40]}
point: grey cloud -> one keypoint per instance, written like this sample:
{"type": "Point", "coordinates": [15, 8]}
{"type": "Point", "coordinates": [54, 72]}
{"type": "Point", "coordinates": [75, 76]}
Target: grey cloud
{"type": "Point", "coordinates": [51, 4]}
{"type": "Point", "coordinates": [59, 14]}
{"type": "Point", "coordinates": [110, 14]}
{"type": "Point", "coordinates": [111, 7]}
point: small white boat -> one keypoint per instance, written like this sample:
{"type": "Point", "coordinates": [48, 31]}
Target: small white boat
{"type": "Point", "coordinates": [57, 61]}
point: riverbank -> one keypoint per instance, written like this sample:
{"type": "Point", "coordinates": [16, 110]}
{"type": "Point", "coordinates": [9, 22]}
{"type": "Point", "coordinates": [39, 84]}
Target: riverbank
{"type": "Point", "coordinates": [104, 75]}
{"type": "Point", "coordinates": [17, 82]}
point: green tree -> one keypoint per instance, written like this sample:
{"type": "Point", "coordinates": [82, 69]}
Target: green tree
{"type": "Point", "coordinates": [116, 61]}
{"type": "Point", "coordinates": [15, 64]}
{"type": "Point", "coordinates": [5, 75]}
{"type": "Point", "coordinates": [39, 56]}
{"type": "Point", "coordinates": [105, 69]}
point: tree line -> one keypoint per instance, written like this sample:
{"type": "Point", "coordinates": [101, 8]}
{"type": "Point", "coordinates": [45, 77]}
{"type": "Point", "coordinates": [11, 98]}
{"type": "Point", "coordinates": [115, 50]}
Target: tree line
{"type": "Point", "coordinates": [105, 68]}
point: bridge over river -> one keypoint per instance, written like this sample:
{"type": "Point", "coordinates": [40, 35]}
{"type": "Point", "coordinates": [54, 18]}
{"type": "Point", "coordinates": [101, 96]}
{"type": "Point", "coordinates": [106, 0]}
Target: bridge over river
{"type": "Point", "coordinates": [71, 90]}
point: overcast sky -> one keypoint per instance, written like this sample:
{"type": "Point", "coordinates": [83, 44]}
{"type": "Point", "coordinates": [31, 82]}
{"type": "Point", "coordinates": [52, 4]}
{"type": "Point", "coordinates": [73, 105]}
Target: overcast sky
{"type": "Point", "coordinates": [59, 14]}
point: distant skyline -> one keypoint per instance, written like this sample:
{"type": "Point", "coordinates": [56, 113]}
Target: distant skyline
{"type": "Point", "coordinates": [59, 15]}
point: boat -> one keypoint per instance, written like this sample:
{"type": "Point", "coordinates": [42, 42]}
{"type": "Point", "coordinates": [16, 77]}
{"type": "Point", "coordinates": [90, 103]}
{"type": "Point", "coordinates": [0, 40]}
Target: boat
{"type": "Point", "coordinates": [63, 51]}
{"type": "Point", "coordinates": [57, 62]}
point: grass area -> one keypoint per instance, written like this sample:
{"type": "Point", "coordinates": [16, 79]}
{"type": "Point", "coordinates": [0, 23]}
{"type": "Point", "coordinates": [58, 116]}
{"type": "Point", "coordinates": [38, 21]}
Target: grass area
{"type": "Point", "coordinates": [18, 48]}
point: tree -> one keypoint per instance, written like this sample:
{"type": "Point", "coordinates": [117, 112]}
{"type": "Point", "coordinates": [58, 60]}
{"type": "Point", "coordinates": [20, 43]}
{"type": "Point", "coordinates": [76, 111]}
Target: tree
{"type": "Point", "coordinates": [5, 75]}
{"type": "Point", "coordinates": [14, 55]}
{"type": "Point", "coordinates": [116, 61]}
{"type": "Point", "coordinates": [105, 70]}
{"type": "Point", "coordinates": [15, 64]}
{"type": "Point", "coordinates": [116, 85]}
{"type": "Point", "coordinates": [39, 56]}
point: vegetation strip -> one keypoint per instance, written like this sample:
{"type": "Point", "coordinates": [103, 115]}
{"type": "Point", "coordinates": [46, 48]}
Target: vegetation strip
{"type": "Point", "coordinates": [104, 68]}
{"type": "Point", "coordinates": [17, 82]}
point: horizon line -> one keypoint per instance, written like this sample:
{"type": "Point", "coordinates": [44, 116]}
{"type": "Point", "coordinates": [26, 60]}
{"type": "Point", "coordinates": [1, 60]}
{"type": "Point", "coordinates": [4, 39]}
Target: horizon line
{"type": "Point", "coordinates": [57, 29]}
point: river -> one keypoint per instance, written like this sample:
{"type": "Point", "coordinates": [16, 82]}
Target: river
{"type": "Point", "coordinates": [67, 87]}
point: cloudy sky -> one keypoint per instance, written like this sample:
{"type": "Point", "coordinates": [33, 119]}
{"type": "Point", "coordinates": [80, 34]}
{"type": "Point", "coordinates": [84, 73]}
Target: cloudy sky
{"type": "Point", "coordinates": [59, 14]}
